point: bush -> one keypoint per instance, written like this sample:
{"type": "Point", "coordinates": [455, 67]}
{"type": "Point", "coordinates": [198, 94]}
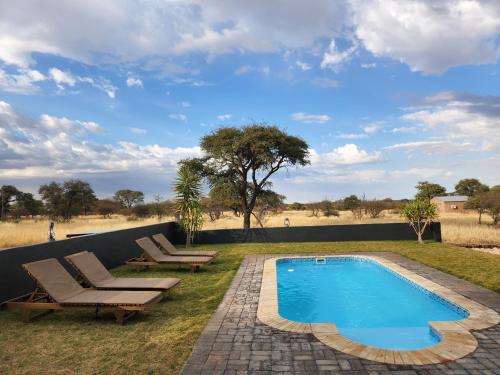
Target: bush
{"type": "Point", "coordinates": [374, 208]}
{"type": "Point", "coordinates": [140, 211]}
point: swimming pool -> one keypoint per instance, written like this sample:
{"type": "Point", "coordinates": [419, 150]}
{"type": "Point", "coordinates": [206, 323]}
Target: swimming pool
{"type": "Point", "coordinates": [367, 302]}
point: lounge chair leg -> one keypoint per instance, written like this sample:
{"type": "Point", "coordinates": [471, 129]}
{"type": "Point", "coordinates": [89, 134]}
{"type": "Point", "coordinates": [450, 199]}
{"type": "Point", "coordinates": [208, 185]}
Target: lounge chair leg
{"type": "Point", "coordinates": [25, 315]}
{"type": "Point", "coordinates": [120, 315]}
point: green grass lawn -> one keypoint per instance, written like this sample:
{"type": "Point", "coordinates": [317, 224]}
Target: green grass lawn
{"type": "Point", "coordinates": [159, 341]}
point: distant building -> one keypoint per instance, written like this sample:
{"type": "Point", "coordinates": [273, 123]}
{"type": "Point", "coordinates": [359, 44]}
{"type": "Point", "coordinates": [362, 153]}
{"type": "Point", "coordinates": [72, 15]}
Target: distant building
{"type": "Point", "coordinates": [450, 203]}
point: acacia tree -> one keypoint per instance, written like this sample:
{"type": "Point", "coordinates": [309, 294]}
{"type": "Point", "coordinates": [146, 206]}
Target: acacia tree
{"type": "Point", "coordinates": [129, 198]}
{"type": "Point", "coordinates": [63, 201]}
{"type": "Point", "coordinates": [470, 187]}
{"type": "Point", "coordinates": [419, 213]}
{"type": "Point", "coordinates": [477, 202]}
{"type": "Point", "coordinates": [187, 188]}
{"type": "Point", "coordinates": [429, 190]}
{"type": "Point", "coordinates": [246, 158]}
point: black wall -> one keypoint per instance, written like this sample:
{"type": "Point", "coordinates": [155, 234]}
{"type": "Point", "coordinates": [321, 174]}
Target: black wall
{"type": "Point", "coordinates": [115, 247]}
{"type": "Point", "coordinates": [325, 233]}
{"type": "Point", "coordinates": [112, 248]}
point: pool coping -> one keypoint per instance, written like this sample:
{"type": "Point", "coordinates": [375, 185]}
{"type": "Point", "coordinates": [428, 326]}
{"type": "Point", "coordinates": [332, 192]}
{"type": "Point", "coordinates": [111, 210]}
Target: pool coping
{"type": "Point", "coordinates": [456, 339]}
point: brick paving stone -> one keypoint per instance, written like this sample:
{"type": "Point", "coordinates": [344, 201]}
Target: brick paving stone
{"type": "Point", "coordinates": [235, 343]}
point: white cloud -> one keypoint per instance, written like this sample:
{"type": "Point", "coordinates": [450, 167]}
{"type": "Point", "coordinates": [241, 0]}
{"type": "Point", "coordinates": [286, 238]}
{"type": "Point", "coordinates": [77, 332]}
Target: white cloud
{"type": "Point", "coordinates": [185, 104]}
{"type": "Point", "coordinates": [334, 59]}
{"type": "Point", "coordinates": [244, 69]}
{"type": "Point", "coordinates": [461, 117]}
{"type": "Point", "coordinates": [66, 78]}
{"type": "Point", "coordinates": [134, 81]}
{"type": "Point", "coordinates": [369, 65]}
{"type": "Point", "coordinates": [310, 118]}
{"type": "Point", "coordinates": [352, 135]}
{"type": "Point", "coordinates": [325, 82]}
{"type": "Point", "coordinates": [61, 78]}
{"type": "Point", "coordinates": [432, 147]}
{"type": "Point", "coordinates": [131, 30]}
{"type": "Point", "coordinates": [224, 117]}
{"type": "Point", "coordinates": [429, 36]}
{"type": "Point", "coordinates": [57, 147]}
{"type": "Point", "coordinates": [137, 130]}
{"type": "Point", "coordinates": [372, 128]}
{"type": "Point", "coordinates": [406, 129]}
{"type": "Point", "coordinates": [304, 66]}
{"type": "Point", "coordinates": [23, 81]}
{"type": "Point", "coordinates": [419, 173]}
{"type": "Point", "coordinates": [349, 154]}
{"type": "Point", "coordinates": [178, 116]}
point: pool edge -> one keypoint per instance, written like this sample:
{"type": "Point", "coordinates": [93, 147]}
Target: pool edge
{"type": "Point", "coordinates": [456, 339]}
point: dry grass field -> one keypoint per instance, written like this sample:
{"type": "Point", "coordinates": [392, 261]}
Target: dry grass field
{"type": "Point", "coordinates": [457, 228]}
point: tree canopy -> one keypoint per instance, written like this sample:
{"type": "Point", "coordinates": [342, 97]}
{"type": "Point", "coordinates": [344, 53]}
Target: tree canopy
{"type": "Point", "coordinates": [470, 187]}
{"type": "Point", "coordinates": [63, 201]}
{"type": "Point", "coordinates": [429, 190]}
{"type": "Point", "coordinates": [129, 198]}
{"type": "Point", "coordinates": [243, 160]}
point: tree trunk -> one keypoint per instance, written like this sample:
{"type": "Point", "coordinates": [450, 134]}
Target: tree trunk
{"type": "Point", "coordinates": [480, 213]}
{"type": "Point", "coordinates": [188, 238]}
{"type": "Point", "coordinates": [419, 235]}
{"type": "Point", "coordinates": [246, 219]}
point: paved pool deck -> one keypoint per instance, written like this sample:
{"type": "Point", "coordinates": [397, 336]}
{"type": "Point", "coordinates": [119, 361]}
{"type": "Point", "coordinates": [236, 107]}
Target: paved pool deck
{"type": "Point", "coordinates": [235, 342]}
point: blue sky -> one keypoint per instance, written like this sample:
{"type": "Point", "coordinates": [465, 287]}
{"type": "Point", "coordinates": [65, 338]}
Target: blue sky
{"type": "Point", "coordinates": [386, 93]}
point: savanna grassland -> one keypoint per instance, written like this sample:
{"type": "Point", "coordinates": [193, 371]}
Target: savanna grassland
{"type": "Point", "coordinates": [457, 228]}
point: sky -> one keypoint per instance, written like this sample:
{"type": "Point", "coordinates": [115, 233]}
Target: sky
{"type": "Point", "coordinates": [385, 92]}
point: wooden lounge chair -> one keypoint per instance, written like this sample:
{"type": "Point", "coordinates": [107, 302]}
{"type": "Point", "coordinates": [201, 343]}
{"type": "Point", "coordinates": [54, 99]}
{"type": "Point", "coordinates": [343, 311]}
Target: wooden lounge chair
{"type": "Point", "coordinates": [168, 249]}
{"type": "Point", "coordinates": [93, 274]}
{"type": "Point", "coordinates": [152, 256]}
{"type": "Point", "coordinates": [56, 290]}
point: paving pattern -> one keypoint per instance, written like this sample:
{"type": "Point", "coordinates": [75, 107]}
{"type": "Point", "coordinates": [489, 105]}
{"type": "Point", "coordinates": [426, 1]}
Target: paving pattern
{"type": "Point", "coordinates": [235, 342]}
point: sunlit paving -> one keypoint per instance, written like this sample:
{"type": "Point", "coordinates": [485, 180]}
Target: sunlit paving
{"type": "Point", "coordinates": [250, 187]}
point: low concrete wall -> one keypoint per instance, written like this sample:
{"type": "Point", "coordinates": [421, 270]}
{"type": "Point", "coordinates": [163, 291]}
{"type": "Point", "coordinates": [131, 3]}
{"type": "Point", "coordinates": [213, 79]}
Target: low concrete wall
{"type": "Point", "coordinates": [325, 233]}
{"type": "Point", "coordinates": [112, 248]}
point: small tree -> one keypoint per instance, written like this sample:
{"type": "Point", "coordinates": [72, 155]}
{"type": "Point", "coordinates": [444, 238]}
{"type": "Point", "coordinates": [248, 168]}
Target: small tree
{"type": "Point", "coordinates": [353, 204]}
{"type": "Point", "coordinates": [477, 202]}
{"type": "Point", "coordinates": [187, 189]}
{"type": "Point", "coordinates": [419, 213]}
{"type": "Point", "coordinates": [157, 208]}
{"type": "Point", "coordinates": [492, 205]}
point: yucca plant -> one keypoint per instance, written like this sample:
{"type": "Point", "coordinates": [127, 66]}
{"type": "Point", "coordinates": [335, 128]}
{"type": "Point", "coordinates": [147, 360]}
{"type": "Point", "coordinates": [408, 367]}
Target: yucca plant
{"type": "Point", "coordinates": [187, 189]}
{"type": "Point", "coordinates": [419, 213]}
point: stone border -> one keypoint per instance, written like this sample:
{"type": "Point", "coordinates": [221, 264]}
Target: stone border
{"type": "Point", "coordinates": [456, 339]}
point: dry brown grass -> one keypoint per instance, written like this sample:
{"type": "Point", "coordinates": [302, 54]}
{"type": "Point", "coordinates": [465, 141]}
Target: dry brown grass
{"type": "Point", "coordinates": [35, 231]}
{"type": "Point", "coordinates": [458, 228]}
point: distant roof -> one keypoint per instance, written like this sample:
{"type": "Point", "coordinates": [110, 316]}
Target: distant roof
{"type": "Point", "coordinates": [453, 198]}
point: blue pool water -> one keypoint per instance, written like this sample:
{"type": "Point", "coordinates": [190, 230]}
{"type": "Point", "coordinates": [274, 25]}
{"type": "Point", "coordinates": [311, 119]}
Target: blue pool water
{"type": "Point", "coordinates": [368, 303]}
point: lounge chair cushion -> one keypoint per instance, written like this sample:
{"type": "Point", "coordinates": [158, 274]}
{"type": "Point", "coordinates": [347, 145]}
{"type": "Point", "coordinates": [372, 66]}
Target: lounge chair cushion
{"type": "Point", "coordinates": [172, 250]}
{"type": "Point", "coordinates": [152, 250]}
{"type": "Point", "coordinates": [112, 298]}
{"type": "Point", "coordinates": [132, 283]}
{"type": "Point", "coordinates": [88, 264]}
{"type": "Point", "coordinates": [54, 278]}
